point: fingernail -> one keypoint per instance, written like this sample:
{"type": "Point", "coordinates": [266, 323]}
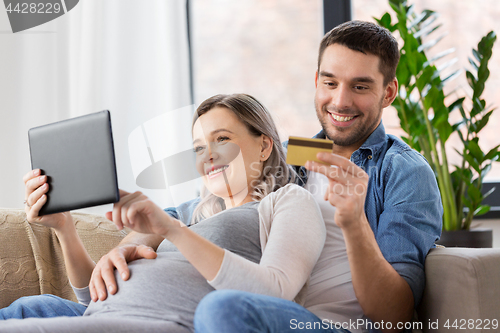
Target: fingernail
{"type": "Point", "coordinates": [35, 172]}
{"type": "Point", "coordinates": [111, 288]}
{"type": "Point", "coordinates": [124, 276]}
{"type": "Point", "coordinates": [41, 179]}
{"type": "Point", "coordinates": [45, 186]}
{"type": "Point", "coordinates": [101, 295]}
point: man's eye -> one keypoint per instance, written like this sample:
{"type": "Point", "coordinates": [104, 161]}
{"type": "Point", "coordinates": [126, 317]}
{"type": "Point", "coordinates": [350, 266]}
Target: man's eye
{"type": "Point", "coordinates": [330, 84]}
{"type": "Point", "coordinates": [360, 87]}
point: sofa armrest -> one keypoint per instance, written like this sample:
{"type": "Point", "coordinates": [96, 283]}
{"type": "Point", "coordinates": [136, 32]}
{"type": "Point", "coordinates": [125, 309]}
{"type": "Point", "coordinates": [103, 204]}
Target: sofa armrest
{"type": "Point", "coordinates": [31, 261]}
{"type": "Point", "coordinates": [461, 284]}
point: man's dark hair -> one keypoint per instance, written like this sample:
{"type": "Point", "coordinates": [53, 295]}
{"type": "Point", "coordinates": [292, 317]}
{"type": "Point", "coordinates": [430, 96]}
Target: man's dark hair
{"type": "Point", "coordinates": [367, 38]}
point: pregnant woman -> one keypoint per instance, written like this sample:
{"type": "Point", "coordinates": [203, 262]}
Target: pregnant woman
{"type": "Point", "coordinates": [251, 231]}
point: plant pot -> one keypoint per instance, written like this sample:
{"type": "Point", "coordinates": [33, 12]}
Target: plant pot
{"type": "Point", "coordinates": [477, 238]}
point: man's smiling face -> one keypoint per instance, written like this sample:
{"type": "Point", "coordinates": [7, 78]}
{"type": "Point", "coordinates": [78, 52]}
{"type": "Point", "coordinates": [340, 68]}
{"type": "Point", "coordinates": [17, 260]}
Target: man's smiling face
{"type": "Point", "coordinates": [350, 95]}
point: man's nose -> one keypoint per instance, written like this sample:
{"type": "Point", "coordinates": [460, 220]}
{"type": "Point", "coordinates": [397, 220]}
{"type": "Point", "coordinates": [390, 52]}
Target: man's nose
{"type": "Point", "coordinates": [342, 97]}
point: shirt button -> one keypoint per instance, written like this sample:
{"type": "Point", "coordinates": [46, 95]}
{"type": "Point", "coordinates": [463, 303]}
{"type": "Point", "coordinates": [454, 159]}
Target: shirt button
{"type": "Point", "coordinates": [370, 157]}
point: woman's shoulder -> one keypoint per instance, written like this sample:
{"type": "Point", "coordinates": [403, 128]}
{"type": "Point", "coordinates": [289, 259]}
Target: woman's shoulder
{"type": "Point", "coordinates": [289, 194]}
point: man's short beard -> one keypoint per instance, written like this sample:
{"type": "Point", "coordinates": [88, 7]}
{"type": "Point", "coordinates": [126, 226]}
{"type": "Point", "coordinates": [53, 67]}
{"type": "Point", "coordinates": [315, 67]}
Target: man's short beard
{"type": "Point", "coordinates": [341, 141]}
{"type": "Point", "coordinates": [358, 134]}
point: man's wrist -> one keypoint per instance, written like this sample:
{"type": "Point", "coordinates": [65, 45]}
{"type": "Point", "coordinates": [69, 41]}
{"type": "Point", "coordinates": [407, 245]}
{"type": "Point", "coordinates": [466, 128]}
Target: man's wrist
{"type": "Point", "coordinates": [357, 229]}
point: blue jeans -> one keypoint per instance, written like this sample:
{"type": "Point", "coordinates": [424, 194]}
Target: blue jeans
{"type": "Point", "coordinates": [41, 306]}
{"type": "Point", "coordinates": [229, 311]}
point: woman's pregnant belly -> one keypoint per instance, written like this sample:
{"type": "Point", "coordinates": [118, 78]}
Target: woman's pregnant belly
{"type": "Point", "coordinates": [167, 288]}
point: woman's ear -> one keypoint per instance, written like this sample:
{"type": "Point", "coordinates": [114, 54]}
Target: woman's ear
{"type": "Point", "coordinates": [266, 147]}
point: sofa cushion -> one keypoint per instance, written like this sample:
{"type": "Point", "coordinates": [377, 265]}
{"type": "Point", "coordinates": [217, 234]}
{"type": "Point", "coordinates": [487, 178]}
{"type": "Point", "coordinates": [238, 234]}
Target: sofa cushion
{"type": "Point", "coordinates": [461, 285]}
{"type": "Point", "coordinates": [31, 260]}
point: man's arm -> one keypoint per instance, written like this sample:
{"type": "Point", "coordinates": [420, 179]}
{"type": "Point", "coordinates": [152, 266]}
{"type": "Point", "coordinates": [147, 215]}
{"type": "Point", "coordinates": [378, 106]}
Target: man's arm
{"type": "Point", "coordinates": [134, 246]}
{"type": "Point", "coordinates": [382, 293]}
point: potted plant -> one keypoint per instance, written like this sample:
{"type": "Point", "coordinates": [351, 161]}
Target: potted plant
{"type": "Point", "coordinates": [424, 117]}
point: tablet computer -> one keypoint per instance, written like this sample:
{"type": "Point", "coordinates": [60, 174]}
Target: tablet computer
{"type": "Point", "coordinates": [77, 155]}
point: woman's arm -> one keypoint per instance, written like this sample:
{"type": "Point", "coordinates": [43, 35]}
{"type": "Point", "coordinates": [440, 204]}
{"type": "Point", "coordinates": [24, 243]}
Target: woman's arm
{"type": "Point", "coordinates": [294, 243]}
{"type": "Point", "coordinates": [78, 263]}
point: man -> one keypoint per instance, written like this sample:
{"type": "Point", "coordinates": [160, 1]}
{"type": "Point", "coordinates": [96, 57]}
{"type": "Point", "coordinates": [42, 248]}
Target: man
{"type": "Point", "coordinates": [381, 194]}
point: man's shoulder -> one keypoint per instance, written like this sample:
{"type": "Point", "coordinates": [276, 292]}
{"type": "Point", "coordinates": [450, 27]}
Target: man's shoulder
{"type": "Point", "coordinates": [399, 154]}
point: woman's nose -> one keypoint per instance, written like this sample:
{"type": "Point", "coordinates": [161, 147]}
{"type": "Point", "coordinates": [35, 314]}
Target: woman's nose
{"type": "Point", "coordinates": [210, 154]}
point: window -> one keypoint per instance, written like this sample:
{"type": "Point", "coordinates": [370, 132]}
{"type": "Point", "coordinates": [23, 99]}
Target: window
{"type": "Point", "coordinates": [267, 49]}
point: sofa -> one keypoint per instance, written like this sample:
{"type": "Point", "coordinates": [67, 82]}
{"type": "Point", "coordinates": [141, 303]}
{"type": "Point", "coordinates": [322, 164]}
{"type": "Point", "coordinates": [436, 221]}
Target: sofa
{"type": "Point", "coordinates": [462, 285]}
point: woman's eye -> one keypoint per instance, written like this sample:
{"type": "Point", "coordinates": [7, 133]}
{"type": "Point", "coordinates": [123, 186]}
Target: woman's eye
{"type": "Point", "coordinates": [222, 138]}
{"type": "Point", "coordinates": [198, 149]}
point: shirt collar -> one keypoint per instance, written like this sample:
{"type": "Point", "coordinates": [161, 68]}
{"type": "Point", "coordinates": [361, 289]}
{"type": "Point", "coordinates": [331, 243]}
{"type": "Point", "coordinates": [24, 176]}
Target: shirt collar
{"type": "Point", "coordinates": [374, 142]}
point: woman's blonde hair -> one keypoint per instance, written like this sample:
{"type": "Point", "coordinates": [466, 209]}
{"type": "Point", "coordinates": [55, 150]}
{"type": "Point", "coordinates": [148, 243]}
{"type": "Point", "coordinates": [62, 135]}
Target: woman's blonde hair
{"type": "Point", "coordinates": [257, 119]}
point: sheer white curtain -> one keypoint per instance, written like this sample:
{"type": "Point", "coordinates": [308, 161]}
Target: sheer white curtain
{"type": "Point", "coordinates": [127, 56]}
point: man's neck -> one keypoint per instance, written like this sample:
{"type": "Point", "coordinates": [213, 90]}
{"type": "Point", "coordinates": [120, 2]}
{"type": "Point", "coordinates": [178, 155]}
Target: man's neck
{"type": "Point", "coordinates": [345, 151]}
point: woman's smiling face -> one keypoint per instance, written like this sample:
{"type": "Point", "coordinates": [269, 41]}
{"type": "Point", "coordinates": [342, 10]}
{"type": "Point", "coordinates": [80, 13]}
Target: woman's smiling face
{"type": "Point", "coordinates": [228, 156]}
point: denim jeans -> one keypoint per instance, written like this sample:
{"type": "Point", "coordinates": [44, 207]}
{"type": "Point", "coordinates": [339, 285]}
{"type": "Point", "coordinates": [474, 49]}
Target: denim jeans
{"type": "Point", "coordinates": [41, 306]}
{"type": "Point", "coordinates": [230, 311]}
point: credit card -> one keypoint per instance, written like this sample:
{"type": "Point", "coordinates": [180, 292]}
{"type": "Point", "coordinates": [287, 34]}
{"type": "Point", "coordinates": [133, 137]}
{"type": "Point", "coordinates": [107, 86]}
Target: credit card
{"type": "Point", "coordinates": [300, 150]}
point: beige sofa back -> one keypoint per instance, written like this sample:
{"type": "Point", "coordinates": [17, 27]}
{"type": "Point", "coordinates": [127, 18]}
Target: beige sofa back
{"type": "Point", "coordinates": [31, 260]}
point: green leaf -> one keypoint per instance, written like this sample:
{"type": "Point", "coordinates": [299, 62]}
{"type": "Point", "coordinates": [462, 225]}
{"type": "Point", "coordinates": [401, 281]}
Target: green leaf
{"type": "Point", "coordinates": [477, 107]}
{"type": "Point", "coordinates": [412, 62]}
{"type": "Point", "coordinates": [485, 171]}
{"type": "Point", "coordinates": [471, 79]}
{"type": "Point", "coordinates": [386, 18]}
{"type": "Point", "coordinates": [474, 194]}
{"type": "Point", "coordinates": [445, 131]}
{"type": "Point", "coordinates": [425, 78]}
{"type": "Point", "coordinates": [457, 104]}
{"type": "Point", "coordinates": [473, 63]}
{"type": "Point", "coordinates": [477, 55]}
{"type": "Point", "coordinates": [452, 76]}
{"type": "Point", "coordinates": [482, 122]}
{"type": "Point", "coordinates": [481, 210]}
{"type": "Point", "coordinates": [430, 97]}
{"type": "Point", "coordinates": [402, 72]}
{"type": "Point", "coordinates": [426, 46]}
{"type": "Point", "coordinates": [476, 152]}
{"type": "Point", "coordinates": [472, 163]}
{"type": "Point", "coordinates": [492, 153]}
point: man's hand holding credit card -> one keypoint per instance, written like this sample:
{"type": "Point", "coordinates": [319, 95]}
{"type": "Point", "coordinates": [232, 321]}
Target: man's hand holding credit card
{"type": "Point", "coordinates": [300, 150]}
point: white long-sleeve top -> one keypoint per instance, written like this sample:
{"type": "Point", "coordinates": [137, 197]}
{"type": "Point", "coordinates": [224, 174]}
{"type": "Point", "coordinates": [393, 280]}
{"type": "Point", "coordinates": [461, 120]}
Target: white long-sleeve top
{"type": "Point", "coordinates": [292, 235]}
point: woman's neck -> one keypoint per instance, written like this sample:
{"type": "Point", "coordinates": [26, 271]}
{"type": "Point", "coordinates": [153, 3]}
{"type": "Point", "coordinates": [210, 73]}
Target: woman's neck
{"type": "Point", "coordinates": [237, 200]}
